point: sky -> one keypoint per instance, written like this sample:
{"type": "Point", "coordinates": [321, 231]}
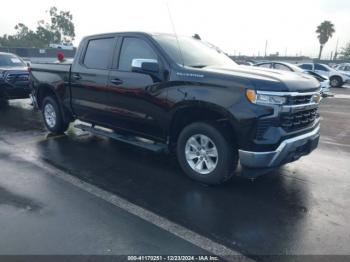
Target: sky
{"type": "Point", "coordinates": [236, 26]}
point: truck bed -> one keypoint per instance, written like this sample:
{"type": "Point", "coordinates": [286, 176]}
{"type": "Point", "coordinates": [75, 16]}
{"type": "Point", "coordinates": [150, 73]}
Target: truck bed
{"type": "Point", "coordinates": [54, 67]}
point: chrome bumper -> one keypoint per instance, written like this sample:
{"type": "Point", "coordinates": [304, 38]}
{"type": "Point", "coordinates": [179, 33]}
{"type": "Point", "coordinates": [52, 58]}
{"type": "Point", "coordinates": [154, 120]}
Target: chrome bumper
{"type": "Point", "coordinates": [289, 150]}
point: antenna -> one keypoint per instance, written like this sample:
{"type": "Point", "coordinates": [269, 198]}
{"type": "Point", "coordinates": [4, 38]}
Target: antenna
{"type": "Point", "coordinates": [177, 39]}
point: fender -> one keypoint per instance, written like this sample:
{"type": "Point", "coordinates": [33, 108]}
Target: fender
{"type": "Point", "coordinates": [43, 90]}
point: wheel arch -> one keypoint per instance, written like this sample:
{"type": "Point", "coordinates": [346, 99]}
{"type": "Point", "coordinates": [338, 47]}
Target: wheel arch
{"type": "Point", "coordinates": [45, 90]}
{"type": "Point", "coordinates": [197, 111]}
{"type": "Point", "coordinates": [338, 76]}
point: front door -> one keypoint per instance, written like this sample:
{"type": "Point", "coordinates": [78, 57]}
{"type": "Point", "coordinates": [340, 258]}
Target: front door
{"type": "Point", "coordinates": [137, 101]}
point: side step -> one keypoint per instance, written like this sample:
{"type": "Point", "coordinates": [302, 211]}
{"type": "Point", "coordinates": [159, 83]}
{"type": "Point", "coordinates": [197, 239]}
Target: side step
{"type": "Point", "coordinates": [144, 143]}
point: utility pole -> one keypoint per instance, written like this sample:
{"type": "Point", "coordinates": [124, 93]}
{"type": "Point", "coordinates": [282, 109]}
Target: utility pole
{"type": "Point", "coordinates": [266, 48]}
{"type": "Point", "coordinates": [336, 51]}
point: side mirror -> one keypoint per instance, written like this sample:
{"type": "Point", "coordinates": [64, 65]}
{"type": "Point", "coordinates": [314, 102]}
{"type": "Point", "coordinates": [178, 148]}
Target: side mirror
{"type": "Point", "coordinates": [141, 65]}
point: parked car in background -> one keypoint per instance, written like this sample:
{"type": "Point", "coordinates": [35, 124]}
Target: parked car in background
{"type": "Point", "coordinates": [247, 63]}
{"type": "Point", "coordinates": [324, 81]}
{"type": "Point", "coordinates": [14, 77]}
{"type": "Point", "coordinates": [63, 46]}
{"type": "Point", "coordinates": [344, 69]}
{"type": "Point", "coordinates": [199, 105]}
{"type": "Point", "coordinates": [337, 78]}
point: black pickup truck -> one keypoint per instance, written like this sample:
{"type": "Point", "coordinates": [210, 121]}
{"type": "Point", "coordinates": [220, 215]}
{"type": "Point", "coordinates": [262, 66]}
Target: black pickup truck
{"type": "Point", "coordinates": [182, 95]}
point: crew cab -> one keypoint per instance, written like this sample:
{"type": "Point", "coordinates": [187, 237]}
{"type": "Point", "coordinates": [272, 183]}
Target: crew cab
{"type": "Point", "coordinates": [179, 95]}
{"type": "Point", "coordinates": [14, 77]}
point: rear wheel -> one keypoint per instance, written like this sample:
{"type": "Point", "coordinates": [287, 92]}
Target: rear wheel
{"type": "Point", "coordinates": [53, 117]}
{"type": "Point", "coordinates": [336, 81]}
{"type": "Point", "coordinates": [206, 154]}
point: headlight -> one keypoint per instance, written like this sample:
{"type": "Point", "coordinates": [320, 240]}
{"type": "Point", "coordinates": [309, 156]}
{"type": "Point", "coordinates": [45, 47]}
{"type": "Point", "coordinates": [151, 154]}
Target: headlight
{"type": "Point", "coordinates": [263, 99]}
{"type": "Point", "coordinates": [316, 98]}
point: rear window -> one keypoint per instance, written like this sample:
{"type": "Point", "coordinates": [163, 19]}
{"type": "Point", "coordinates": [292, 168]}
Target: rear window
{"type": "Point", "coordinates": [282, 67]}
{"type": "Point", "coordinates": [9, 60]}
{"type": "Point", "coordinates": [98, 53]}
{"type": "Point", "coordinates": [306, 66]}
{"type": "Point", "coordinates": [321, 67]}
{"type": "Point", "coordinates": [267, 65]}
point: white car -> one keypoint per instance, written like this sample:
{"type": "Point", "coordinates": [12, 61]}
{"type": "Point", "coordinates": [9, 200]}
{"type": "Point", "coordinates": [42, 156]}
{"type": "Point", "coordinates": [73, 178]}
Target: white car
{"type": "Point", "coordinates": [336, 78]}
{"type": "Point", "coordinates": [63, 46]}
{"type": "Point", "coordinates": [324, 80]}
{"type": "Point", "coordinates": [344, 69]}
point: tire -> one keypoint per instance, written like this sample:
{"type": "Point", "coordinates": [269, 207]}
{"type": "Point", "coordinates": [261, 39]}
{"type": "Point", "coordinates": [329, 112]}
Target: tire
{"type": "Point", "coordinates": [336, 81]}
{"type": "Point", "coordinates": [53, 117]}
{"type": "Point", "coordinates": [209, 136]}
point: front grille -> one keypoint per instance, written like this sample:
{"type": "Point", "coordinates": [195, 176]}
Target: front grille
{"type": "Point", "coordinates": [263, 125]}
{"type": "Point", "coordinates": [298, 100]}
{"type": "Point", "coordinates": [17, 77]}
{"type": "Point", "coordinates": [299, 120]}
{"type": "Point", "coordinates": [289, 122]}
{"type": "Point", "coordinates": [10, 78]}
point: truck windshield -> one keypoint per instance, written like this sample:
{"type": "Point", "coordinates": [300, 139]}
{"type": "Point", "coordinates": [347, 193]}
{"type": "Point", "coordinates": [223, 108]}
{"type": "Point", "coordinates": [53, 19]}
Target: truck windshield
{"type": "Point", "coordinates": [191, 52]}
{"type": "Point", "coordinates": [9, 60]}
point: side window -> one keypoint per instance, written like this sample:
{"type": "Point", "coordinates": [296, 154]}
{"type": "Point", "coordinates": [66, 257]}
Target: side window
{"type": "Point", "coordinates": [320, 67]}
{"type": "Point", "coordinates": [267, 65]}
{"type": "Point", "coordinates": [306, 66]}
{"type": "Point", "coordinates": [282, 67]}
{"type": "Point", "coordinates": [98, 53]}
{"type": "Point", "coordinates": [133, 48]}
{"type": "Point", "coordinates": [347, 68]}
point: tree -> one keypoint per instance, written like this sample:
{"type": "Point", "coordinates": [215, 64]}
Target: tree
{"type": "Point", "coordinates": [59, 29]}
{"type": "Point", "coordinates": [62, 26]}
{"type": "Point", "coordinates": [346, 51]}
{"type": "Point", "coordinates": [325, 31]}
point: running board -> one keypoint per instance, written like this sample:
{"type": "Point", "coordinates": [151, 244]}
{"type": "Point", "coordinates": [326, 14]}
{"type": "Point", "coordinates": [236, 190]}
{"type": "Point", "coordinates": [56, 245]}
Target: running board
{"type": "Point", "coordinates": [143, 143]}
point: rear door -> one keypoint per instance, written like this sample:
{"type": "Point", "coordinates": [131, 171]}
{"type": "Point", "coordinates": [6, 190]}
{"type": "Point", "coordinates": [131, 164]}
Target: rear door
{"type": "Point", "coordinates": [136, 101]}
{"type": "Point", "coordinates": [89, 78]}
{"type": "Point", "coordinates": [308, 67]}
{"type": "Point", "coordinates": [322, 70]}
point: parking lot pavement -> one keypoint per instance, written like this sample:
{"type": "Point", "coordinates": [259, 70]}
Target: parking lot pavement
{"type": "Point", "coordinates": [41, 214]}
{"type": "Point", "coordinates": [302, 208]}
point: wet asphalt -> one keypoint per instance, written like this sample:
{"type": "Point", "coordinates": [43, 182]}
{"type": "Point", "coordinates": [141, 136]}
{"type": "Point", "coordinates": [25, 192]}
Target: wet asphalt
{"type": "Point", "coordinates": [300, 209]}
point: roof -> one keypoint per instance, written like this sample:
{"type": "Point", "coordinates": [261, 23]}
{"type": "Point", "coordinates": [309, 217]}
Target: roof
{"type": "Point", "coordinates": [130, 32]}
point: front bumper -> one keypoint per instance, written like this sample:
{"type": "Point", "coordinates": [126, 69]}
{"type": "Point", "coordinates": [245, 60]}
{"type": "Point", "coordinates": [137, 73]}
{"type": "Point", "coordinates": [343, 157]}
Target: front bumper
{"type": "Point", "coordinates": [289, 150]}
{"type": "Point", "coordinates": [14, 92]}
{"type": "Point", "coordinates": [325, 86]}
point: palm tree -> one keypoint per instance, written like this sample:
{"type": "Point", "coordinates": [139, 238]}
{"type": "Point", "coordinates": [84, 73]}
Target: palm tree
{"type": "Point", "coordinates": [325, 31]}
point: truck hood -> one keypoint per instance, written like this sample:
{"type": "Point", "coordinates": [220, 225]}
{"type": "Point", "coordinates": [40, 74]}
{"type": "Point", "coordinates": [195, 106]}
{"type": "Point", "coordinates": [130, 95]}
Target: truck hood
{"type": "Point", "coordinates": [269, 79]}
{"type": "Point", "coordinates": [17, 68]}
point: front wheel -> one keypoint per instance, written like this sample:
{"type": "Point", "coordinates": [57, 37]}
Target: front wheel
{"type": "Point", "coordinates": [53, 117]}
{"type": "Point", "coordinates": [336, 81]}
{"type": "Point", "coordinates": [206, 154]}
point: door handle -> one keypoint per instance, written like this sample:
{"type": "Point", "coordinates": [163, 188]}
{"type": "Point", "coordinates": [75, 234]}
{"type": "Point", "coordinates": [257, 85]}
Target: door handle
{"type": "Point", "coordinates": [117, 81]}
{"type": "Point", "coordinates": [76, 76]}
